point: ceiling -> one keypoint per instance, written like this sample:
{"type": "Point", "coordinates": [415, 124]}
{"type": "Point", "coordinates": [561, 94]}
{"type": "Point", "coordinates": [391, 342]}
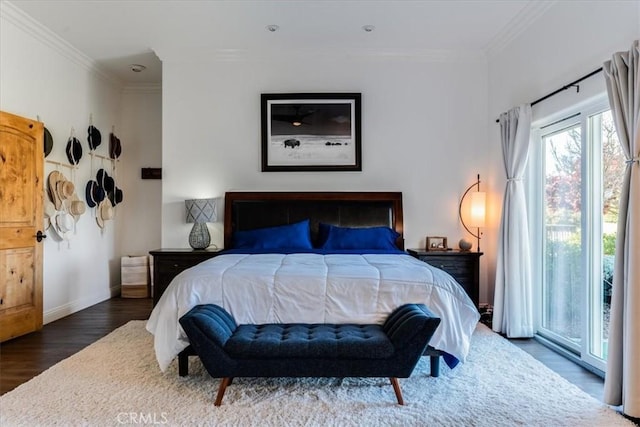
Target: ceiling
{"type": "Point", "coordinates": [118, 33]}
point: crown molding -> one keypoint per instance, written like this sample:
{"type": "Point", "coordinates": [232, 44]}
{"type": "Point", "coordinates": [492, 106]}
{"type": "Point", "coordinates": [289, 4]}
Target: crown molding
{"type": "Point", "coordinates": [13, 14]}
{"type": "Point", "coordinates": [522, 21]}
{"type": "Point", "coordinates": [143, 88]}
{"type": "Point", "coordinates": [204, 54]}
{"type": "Point", "coordinates": [421, 55]}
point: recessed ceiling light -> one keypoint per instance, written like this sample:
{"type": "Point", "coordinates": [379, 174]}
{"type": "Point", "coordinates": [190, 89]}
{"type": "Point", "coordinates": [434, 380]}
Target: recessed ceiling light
{"type": "Point", "coordinates": [368, 28]}
{"type": "Point", "coordinates": [272, 28]}
{"type": "Point", "coordinates": [136, 68]}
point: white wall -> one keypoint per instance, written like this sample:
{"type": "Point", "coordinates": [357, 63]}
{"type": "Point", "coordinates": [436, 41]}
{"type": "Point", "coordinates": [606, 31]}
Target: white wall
{"type": "Point", "coordinates": [142, 140]}
{"type": "Point", "coordinates": [569, 41]}
{"type": "Point", "coordinates": [424, 132]}
{"type": "Point", "coordinates": [41, 75]}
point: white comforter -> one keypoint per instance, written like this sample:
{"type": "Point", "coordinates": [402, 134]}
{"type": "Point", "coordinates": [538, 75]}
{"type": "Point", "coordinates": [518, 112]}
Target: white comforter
{"type": "Point", "coordinates": [313, 288]}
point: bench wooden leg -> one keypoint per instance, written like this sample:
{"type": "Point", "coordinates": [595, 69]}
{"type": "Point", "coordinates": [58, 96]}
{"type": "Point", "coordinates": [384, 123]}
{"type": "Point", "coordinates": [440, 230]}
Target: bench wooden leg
{"type": "Point", "coordinates": [223, 386]}
{"type": "Point", "coordinates": [396, 388]}
{"type": "Point", "coordinates": [435, 366]}
{"type": "Point", "coordinates": [183, 364]}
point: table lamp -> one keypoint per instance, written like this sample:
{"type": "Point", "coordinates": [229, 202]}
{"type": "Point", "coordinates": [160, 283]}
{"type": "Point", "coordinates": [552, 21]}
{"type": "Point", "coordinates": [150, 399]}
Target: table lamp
{"type": "Point", "coordinates": [199, 212]}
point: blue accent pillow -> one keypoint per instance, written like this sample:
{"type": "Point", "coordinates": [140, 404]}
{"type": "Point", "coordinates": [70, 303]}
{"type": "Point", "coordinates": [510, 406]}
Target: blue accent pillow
{"type": "Point", "coordinates": [359, 238]}
{"type": "Point", "coordinates": [292, 236]}
{"type": "Point", "coordinates": [323, 234]}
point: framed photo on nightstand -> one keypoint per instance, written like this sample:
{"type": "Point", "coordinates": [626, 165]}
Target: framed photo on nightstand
{"type": "Point", "coordinates": [435, 243]}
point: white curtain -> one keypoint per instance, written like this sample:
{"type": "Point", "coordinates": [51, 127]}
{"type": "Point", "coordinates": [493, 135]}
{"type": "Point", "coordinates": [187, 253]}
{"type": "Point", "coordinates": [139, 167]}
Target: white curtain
{"type": "Point", "coordinates": [622, 382]}
{"type": "Point", "coordinates": [513, 302]}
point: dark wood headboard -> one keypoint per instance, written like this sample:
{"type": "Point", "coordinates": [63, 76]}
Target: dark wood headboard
{"type": "Point", "coordinates": [250, 210]}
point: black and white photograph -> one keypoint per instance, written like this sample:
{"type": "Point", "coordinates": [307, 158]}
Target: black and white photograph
{"type": "Point", "coordinates": [311, 132]}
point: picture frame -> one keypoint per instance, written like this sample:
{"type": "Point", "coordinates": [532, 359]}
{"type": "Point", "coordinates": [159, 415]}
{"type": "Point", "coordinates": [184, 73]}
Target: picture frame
{"type": "Point", "coordinates": [436, 243]}
{"type": "Point", "coordinates": [311, 132]}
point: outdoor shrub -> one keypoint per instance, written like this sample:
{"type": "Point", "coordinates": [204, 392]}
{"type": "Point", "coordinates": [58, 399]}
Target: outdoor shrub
{"type": "Point", "coordinates": [607, 277]}
{"type": "Point", "coordinates": [609, 244]}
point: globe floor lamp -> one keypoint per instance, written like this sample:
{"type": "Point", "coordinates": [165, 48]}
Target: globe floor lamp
{"type": "Point", "coordinates": [477, 211]}
{"type": "Point", "coordinates": [199, 212]}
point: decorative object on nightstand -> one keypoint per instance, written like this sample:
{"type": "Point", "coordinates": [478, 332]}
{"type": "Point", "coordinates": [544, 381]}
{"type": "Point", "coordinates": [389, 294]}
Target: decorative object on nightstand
{"type": "Point", "coordinates": [436, 243]}
{"type": "Point", "coordinates": [477, 213]}
{"type": "Point", "coordinates": [465, 245]}
{"type": "Point", "coordinates": [199, 212]}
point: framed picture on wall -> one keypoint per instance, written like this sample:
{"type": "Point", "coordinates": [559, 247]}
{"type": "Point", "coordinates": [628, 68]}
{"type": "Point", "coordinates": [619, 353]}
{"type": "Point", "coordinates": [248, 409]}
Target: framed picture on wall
{"type": "Point", "coordinates": [311, 132]}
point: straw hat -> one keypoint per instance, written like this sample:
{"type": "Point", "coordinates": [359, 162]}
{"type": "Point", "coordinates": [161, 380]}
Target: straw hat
{"type": "Point", "coordinates": [65, 188]}
{"type": "Point", "coordinates": [105, 212]}
{"type": "Point", "coordinates": [52, 186]}
{"type": "Point", "coordinates": [59, 188]}
{"type": "Point", "coordinates": [49, 214]}
{"type": "Point", "coordinates": [76, 207]}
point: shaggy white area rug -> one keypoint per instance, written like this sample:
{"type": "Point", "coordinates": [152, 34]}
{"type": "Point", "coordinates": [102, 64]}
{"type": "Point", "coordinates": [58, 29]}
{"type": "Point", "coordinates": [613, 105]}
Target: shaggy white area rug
{"type": "Point", "coordinates": [116, 381]}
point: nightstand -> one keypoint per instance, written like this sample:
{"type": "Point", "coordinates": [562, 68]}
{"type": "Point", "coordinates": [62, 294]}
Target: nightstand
{"type": "Point", "coordinates": [463, 266]}
{"type": "Point", "coordinates": [167, 263]}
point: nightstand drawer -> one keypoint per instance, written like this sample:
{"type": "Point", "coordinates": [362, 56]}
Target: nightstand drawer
{"type": "Point", "coordinates": [172, 266]}
{"type": "Point", "coordinates": [464, 267]}
{"type": "Point", "coordinates": [454, 266]}
{"type": "Point", "coordinates": [168, 263]}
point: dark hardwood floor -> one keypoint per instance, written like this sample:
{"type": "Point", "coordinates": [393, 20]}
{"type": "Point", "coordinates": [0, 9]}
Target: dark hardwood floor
{"type": "Point", "coordinates": [25, 357]}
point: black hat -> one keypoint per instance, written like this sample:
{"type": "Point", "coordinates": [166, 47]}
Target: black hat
{"type": "Point", "coordinates": [100, 175]}
{"type": "Point", "coordinates": [74, 150]}
{"type": "Point", "coordinates": [115, 148]}
{"type": "Point", "coordinates": [94, 137]}
{"type": "Point", "coordinates": [115, 196]}
{"type": "Point", "coordinates": [119, 196]}
{"type": "Point", "coordinates": [94, 194]}
{"type": "Point", "coordinates": [106, 182]}
{"type": "Point", "coordinates": [88, 194]}
{"type": "Point", "coordinates": [48, 142]}
{"type": "Point", "coordinates": [109, 184]}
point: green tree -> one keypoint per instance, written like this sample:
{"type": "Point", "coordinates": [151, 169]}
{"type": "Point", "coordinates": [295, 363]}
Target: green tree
{"type": "Point", "coordinates": [563, 189]}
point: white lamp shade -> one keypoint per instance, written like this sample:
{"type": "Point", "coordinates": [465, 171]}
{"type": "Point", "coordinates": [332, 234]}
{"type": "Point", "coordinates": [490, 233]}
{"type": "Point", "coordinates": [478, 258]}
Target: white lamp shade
{"type": "Point", "coordinates": [478, 209]}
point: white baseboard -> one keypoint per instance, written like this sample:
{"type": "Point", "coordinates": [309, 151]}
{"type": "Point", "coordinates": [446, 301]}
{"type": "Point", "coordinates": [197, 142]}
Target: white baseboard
{"type": "Point", "coordinates": [79, 304]}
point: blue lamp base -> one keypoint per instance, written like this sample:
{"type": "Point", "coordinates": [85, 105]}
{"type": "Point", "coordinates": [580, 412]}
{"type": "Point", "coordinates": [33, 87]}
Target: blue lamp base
{"type": "Point", "coordinates": [199, 237]}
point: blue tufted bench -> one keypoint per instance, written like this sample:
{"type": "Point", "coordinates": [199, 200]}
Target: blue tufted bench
{"type": "Point", "coordinates": [228, 350]}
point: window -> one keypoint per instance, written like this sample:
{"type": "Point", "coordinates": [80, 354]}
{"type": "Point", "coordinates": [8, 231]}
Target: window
{"type": "Point", "coordinates": [576, 173]}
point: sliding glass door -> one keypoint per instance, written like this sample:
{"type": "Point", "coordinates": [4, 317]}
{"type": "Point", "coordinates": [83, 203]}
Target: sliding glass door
{"type": "Point", "coordinates": [609, 164]}
{"type": "Point", "coordinates": [562, 285]}
{"type": "Point", "coordinates": [578, 175]}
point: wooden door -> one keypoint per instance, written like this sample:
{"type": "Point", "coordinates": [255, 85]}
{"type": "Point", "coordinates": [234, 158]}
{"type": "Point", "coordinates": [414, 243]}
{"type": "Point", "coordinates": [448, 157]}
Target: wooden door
{"type": "Point", "coordinates": [21, 194]}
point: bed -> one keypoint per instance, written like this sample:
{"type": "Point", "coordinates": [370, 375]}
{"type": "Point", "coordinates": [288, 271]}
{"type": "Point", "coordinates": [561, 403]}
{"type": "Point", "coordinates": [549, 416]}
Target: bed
{"type": "Point", "coordinates": [314, 257]}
